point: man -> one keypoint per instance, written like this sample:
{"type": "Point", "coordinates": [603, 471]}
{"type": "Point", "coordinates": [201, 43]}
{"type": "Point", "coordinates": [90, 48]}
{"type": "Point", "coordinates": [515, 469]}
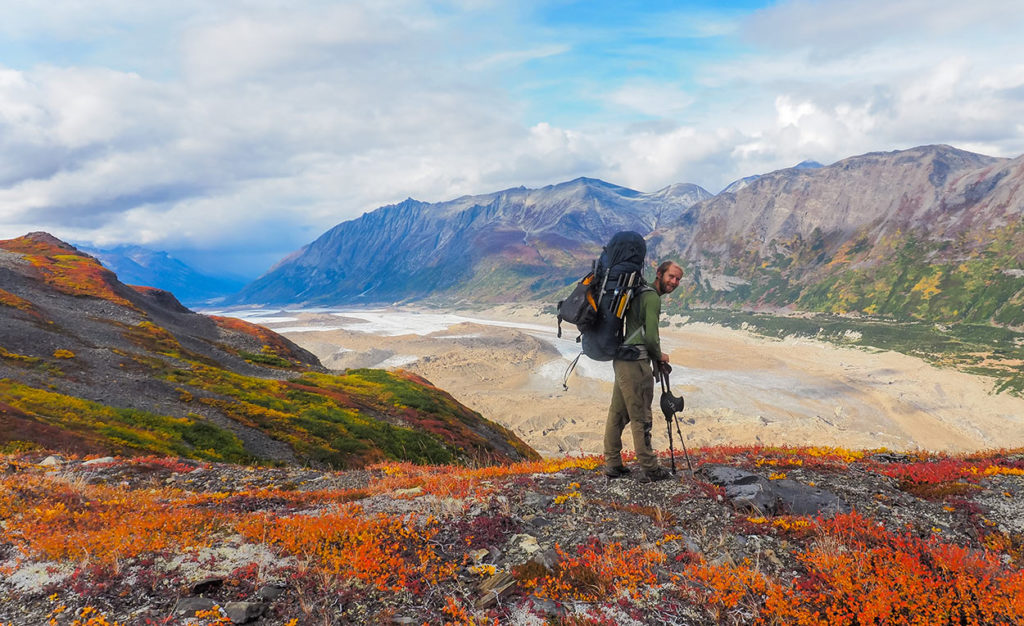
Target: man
{"type": "Point", "coordinates": [634, 382]}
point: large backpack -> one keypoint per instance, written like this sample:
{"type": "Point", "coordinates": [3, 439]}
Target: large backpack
{"type": "Point", "coordinates": [600, 300]}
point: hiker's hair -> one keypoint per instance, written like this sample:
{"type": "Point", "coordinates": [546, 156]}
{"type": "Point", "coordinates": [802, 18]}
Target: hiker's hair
{"type": "Point", "coordinates": [664, 267]}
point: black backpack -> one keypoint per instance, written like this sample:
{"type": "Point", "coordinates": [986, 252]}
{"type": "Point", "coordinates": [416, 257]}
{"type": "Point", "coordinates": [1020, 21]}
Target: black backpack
{"type": "Point", "coordinates": [580, 308]}
{"type": "Point", "coordinates": [599, 302]}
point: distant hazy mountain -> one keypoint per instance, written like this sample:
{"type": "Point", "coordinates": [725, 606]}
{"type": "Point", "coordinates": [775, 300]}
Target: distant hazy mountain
{"type": "Point", "coordinates": [136, 265]}
{"type": "Point", "coordinates": [514, 244]}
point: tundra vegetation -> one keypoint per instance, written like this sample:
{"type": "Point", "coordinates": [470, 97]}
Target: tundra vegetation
{"type": "Point", "coordinates": [930, 539]}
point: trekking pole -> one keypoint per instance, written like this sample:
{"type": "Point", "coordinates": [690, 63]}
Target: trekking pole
{"type": "Point", "coordinates": [670, 405]}
{"type": "Point", "coordinates": [569, 370]}
{"type": "Point", "coordinates": [685, 453]}
{"type": "Point", "coordinates": [668, 425]}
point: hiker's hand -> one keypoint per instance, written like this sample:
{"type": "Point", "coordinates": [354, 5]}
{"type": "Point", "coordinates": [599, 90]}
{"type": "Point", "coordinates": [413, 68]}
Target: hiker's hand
{"type": "Point", "coordinates": [664, 366]}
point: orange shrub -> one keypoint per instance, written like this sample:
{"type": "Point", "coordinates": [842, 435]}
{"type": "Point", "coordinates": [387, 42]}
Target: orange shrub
{"type": "Point", "coordinates": [598, 572]}
{"type": "Point", "coordinates": [384, 552]}
{"type": "Point", "coordinates": [725, 587]}
{"type": "Point", "coordinates": [870, 576]}
{"type": "Point", "coordinates": [61, 521]}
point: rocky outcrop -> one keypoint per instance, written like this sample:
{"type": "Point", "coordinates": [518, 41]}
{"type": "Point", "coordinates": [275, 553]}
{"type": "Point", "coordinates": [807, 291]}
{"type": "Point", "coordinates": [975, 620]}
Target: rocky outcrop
{"type": "Point", "coordinates": [752, 493]}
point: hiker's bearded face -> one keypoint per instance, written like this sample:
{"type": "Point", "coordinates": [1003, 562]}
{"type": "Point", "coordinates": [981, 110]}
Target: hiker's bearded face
{"type": "Point", "coordinates": [669, 279]}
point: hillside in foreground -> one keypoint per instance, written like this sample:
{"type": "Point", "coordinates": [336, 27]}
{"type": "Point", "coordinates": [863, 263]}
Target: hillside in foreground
{"type": "Point", "coordinates": [89, 365]}
{"type": "Point", "coordinates": [756, 536]}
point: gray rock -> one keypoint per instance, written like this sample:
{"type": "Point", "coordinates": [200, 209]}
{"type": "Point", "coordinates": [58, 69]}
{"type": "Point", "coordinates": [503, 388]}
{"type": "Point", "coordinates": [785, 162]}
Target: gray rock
{"type": "Point", "coordinates": [244, 612]}
{"type": "Point", "coordinates": [535, 500]}
{"type": "Point", "coordinates": [270, 592]}
{"type": "Point", "coordinates": [190, 605]}
{"type": "Point", "coordinates": [799, 499]}
{"type": "Point", "coordinates": [539, 522]}
{"type": "Point", "coordinates": [100, 461]}
{"type": "Point", "coordinates": [526, 543]}
{"type": "Point", "coordinates": [756, 494]}
{"type": "Point", "coordinates": [891, 457]}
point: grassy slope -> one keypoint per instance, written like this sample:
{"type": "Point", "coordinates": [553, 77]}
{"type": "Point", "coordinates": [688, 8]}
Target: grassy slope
{"type": "Point", "coordinates": [975, 282]}
{"type": "Point", "coordinates": [339, 421]}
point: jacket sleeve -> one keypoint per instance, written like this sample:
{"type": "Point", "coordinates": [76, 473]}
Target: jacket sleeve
{"type": "Point", "coordinates": [652, 310]}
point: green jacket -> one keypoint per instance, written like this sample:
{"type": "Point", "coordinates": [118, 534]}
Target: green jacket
{"type": "Point", "coordinates": [642, 318]}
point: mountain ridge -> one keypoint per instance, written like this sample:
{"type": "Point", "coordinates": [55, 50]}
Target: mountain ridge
{"type": "Point", "coordinates": [414, 249]}
{"type": "Point", "coordinates": [907, 234]}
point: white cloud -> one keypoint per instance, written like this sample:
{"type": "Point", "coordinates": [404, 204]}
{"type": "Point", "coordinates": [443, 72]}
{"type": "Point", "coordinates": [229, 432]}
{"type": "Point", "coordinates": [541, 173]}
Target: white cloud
{"type": "Point", "coordinates": [837, 27]}
{"type": "Point", "coordinates": [651, 98]}
{"type": "Point", "coordinates": [516, 57]}
{"type": "Point", "coordinates": [253, 124]}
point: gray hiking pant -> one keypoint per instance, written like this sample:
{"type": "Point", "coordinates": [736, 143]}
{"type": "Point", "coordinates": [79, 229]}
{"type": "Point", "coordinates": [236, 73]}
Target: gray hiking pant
{"type": "Point", "coordinates": [631, 403]}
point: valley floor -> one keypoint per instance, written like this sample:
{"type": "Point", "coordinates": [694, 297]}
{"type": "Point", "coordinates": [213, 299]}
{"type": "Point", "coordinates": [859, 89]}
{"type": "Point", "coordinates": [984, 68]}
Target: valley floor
{"type": "Point", "coordinates": [507, 363]}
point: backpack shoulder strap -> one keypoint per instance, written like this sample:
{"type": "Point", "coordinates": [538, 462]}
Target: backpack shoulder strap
{"type": "Point", "coordinates": [640, 331]}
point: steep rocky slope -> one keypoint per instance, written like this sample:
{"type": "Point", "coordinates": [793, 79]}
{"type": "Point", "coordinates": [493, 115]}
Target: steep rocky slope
{"type": "Point", "coordinates": [933, 233]}
{"type": "Point", "coordinates": [90, 365]}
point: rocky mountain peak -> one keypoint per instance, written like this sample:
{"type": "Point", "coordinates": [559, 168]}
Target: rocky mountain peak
{"type": "Point", "coordinates": [42, 242]}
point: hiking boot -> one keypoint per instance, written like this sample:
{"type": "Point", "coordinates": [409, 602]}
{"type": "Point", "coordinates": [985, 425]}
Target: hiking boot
{"type": "Point", "coordinates": [654, 475]}
{"type": "Point", "coordinates": [616, 472]}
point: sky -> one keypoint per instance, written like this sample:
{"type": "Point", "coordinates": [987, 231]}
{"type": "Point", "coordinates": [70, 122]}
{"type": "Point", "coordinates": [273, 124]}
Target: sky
{"type": "Point", "coordinates": [231, 133]}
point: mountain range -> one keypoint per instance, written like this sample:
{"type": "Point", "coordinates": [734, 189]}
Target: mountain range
{"type": "Point", "coordinates": [90, 365]}
{"type": "Point", "coordinates": [136, 265]}
{"type": "Point", "coordinates": [516, 244]}
{"type": "Point", "coordinates": [931, 233]}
